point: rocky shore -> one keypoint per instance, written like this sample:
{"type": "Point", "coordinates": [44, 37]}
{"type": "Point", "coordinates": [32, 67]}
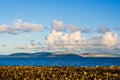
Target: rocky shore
{"type": "Point", "coordinates": [59, 73]}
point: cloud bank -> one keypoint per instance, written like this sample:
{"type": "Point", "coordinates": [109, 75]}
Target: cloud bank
{"type": "Point", "coordinates": [65, 37]}
{"type": "Point", "coordinates": [68, 40]}
{"type": "Point", "coordinates": [104, 39]}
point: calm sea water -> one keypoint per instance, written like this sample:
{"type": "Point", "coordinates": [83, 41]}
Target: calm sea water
{"type": "Point", "coordinates": [59, 61]}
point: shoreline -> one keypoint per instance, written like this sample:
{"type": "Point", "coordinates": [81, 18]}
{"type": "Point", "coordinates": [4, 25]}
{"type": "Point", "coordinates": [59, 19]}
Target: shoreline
{"type": "Point", "coordinates": [59, 73]}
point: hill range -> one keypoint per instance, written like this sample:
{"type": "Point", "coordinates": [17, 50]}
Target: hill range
{"type": "Point", "coordinates": [56, 55]}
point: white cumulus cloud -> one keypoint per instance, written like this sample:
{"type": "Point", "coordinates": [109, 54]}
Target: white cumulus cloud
{"type": "Point", "coordinates": [57, 25]}
{"type": "Point", "coordinates": [19, 26]}
{"type": "Point", "coordinates": [26, 26]}
{"type": "Point", "coordinates": [109, 39]}
{"type": "Point", "coordinates": [69, 40]}
{"type": "Point", "coordinates": [60, 26]}
{"type": "Point", "coordinates": [106, 39]}
{"type": "Point", "coordinates": [4, 28]}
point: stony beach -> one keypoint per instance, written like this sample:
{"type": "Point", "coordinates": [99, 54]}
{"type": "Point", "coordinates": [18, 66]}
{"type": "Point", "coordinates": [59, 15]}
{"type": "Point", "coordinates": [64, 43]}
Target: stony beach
{"type": "Point", "coordinates": [59, 73]}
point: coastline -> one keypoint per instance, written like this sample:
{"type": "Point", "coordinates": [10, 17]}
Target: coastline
{"type": "Point", "coordinates": [59, 73]}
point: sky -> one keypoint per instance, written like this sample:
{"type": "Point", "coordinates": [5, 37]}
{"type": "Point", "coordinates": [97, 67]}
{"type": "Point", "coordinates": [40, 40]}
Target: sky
{"type": "Point", "coordinates": [80, 26]}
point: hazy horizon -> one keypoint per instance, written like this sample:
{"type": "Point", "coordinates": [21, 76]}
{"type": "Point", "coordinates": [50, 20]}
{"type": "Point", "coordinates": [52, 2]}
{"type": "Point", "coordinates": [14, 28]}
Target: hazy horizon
{"type": "Point", "coordinates": [81, 26]}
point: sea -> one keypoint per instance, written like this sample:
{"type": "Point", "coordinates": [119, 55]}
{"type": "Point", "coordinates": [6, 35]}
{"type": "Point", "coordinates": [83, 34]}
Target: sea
{"type": "Point", "coordinates": [82, 61]}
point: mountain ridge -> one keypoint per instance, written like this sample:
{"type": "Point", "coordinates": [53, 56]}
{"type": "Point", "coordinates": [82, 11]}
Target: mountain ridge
{"type": "Point", "coordinates": [39, 55]}
{"type": "Point", "coordinates": [56, 55]}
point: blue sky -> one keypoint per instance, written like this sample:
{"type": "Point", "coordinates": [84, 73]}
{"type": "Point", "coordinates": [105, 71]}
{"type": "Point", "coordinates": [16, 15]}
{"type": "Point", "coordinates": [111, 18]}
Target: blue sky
{"type": "Point", "coordinates": [94, 19]}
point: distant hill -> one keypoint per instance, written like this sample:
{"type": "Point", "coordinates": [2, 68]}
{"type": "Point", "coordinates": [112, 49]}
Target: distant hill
{"type": "Point", "coordinates": [70, 55]}
{"type": "Point", "coordinates": [40, 55]}
{"type": "Point", "coordinates": [57, 55]}
{"type": "Point", "coordinates": [20, 54]}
